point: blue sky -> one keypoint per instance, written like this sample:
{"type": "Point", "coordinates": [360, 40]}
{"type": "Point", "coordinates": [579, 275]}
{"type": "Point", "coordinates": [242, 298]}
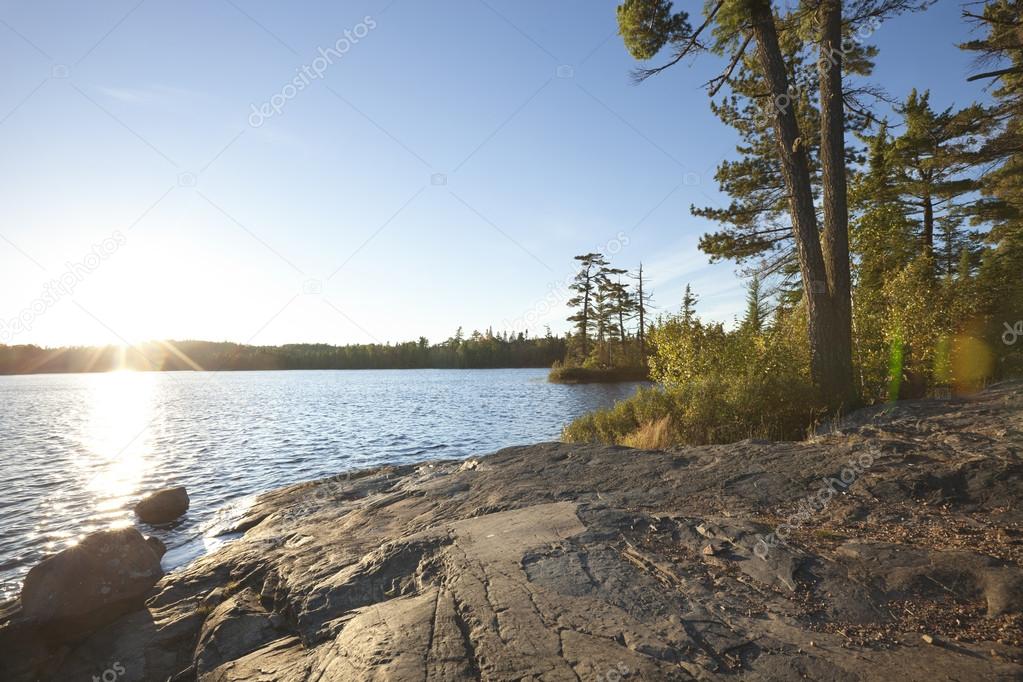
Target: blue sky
{"type": "Point", "coordinates": [444, 170]}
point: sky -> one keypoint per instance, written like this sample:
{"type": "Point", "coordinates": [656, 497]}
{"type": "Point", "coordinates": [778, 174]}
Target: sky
{"type": "Point", "coordinates": [366, 171]}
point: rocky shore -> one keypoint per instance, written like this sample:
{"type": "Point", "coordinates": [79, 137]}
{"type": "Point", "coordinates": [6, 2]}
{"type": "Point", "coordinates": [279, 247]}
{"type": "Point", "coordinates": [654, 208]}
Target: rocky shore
{"type": "Point", "coordinates": [889, 548]}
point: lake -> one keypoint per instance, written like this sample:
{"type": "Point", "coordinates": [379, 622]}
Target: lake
{"type": "Point", "coordinates": [78, 450]}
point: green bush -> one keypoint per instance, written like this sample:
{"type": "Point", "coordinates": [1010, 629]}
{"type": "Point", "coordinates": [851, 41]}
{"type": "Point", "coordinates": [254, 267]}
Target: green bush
{"type": "Point", "coordinates": [716, 386]}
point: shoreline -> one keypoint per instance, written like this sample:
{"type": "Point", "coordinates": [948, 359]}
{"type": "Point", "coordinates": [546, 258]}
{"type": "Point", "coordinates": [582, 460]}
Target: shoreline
{"type": "Point", "coordinates": [275, 369]}
{"type": "Point", "coordinates": [575, 560]}
{"type": "Point", "coordinates": [586, 375]}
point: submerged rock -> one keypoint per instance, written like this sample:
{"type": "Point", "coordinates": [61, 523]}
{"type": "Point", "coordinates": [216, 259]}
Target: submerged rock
{"type": "Point", "coordinates": [80, 589]}
{"type": "Point", "coordinates": [822, 559]}
{"type": "Point", "coordinates": [163, 506]}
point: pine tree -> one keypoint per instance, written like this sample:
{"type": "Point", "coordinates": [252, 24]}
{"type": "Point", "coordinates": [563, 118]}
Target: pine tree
{"type": "Point", "coordinates": [585, 285]}
{"type": "Point", "coordinates": [883, 240]}
{"type": "Point", "coordinates": [755, 318]}
{"type": "Point", "coordinates": [604, 314]}
{"type": "Point", "coordinates": [688, 310]}
{"type": "Point", "coordinates": [623, 309]}
{"type": "Point", "coordinates": [931, 160]}
{"type": "Point", "coordinates": [1000, 50]}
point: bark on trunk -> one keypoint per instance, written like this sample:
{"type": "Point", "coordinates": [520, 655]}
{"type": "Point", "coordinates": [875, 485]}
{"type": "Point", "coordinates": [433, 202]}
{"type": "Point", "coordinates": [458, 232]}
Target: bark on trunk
{"type": "Point", "coordinates": [642, 320]}
{"type": "Point", "coordinates": [835, 238]}
{"type": "Point", "coordinates": [828, 372]}
{"type": "Point", "coordinates": [928, 226]}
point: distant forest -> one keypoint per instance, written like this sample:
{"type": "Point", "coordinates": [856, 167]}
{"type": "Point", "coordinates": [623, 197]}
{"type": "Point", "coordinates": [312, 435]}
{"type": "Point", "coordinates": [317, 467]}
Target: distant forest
{"type": "Point", "coordinates": [477, 351]}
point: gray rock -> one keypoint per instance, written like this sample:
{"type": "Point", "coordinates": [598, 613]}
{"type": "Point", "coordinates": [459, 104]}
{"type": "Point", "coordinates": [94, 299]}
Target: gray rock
{"type": "Point", "coordinates": [163, 506]}
{"type": "Point", "coordinates": [156, 544]}
{"type": "Point", "coordinates": [234, 628]}
{"type": "Point", "coordinates": [82, 588]}
{"type": "Point", "coordinates": [568, 562]}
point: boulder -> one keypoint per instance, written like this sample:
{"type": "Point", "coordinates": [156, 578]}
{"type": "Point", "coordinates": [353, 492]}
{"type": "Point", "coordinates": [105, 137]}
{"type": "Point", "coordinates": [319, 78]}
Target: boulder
{"type": "Point", "coordinates": [163, 506]}
{"type": "Point", "coordinates": [156, 544]}
{"type": "Point", "coordinates": [82, 588]}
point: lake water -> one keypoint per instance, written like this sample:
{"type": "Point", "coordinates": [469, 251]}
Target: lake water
{"type": "Point", "coordinates": [78, 450]}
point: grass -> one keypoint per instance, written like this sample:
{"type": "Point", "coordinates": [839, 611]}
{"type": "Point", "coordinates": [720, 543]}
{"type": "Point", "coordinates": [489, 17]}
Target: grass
{"type": "Point", "coordinates": [652, 435]}
{"type": "Point", "coordinates": [703, 413]}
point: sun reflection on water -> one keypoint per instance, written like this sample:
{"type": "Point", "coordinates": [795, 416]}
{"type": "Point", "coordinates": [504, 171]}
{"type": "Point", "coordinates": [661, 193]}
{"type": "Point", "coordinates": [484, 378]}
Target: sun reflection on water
{"type": "Point", "coordinates": [117, 441]}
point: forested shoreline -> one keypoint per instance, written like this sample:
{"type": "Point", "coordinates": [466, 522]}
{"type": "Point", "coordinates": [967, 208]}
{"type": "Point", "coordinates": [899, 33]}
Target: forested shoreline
{"type": "Point", "coordinates": [881, 234]}
{"type": "Point", "coordinates": [485, 350]}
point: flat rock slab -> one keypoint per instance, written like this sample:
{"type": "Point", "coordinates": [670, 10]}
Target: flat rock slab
{"type": "Point", "coordinates": [585, 562]}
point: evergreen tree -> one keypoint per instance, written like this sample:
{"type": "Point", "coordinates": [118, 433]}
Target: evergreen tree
{"type": "Point", "coordinates": [931, 161]}
{"type": "Point", "coordinates": [882, 232]}
{"type": "Point", "coordinates": [623, 310]}
{"type": "Point", "coordinates": [585, 286]}
{"type": "Point", "coordinates": [755, 318]}
{"type": "Point", "coordinates": [688, 309]}
{"type": "Point", "coordinates": [1000, 51]}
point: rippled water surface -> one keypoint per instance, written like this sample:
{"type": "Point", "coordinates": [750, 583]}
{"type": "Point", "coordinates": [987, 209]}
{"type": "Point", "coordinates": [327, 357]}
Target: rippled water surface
{"type": "Point", "coordinates": [77, 451]}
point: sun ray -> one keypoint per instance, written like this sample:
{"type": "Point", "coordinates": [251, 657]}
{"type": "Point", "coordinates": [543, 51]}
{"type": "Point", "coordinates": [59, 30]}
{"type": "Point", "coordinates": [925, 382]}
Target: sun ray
{"type": "Point", "coordinates": [178, 353]}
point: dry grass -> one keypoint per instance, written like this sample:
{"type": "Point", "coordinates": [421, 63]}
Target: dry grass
{"type": "Point", "coordinates": [652, 435]}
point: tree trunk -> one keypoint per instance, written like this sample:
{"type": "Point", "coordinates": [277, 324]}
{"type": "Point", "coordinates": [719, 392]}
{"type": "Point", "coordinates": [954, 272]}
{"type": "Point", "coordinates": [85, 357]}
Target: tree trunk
{"type": "Point", "coordinates": [641, 332]}
{"type": "Point", "coordinates": [586, 319]}
{"type": "Point", "coordinates": [621, 328]}
{"type": "Point", "coordinates": [928, 226]}
{"type": "Point", "coordinates": [835, 200]}
{"type": "Point", "coordinates": [828, 371]}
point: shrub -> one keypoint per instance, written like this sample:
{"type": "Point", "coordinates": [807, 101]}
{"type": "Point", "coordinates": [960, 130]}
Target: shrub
{"type": "Point", "coordinates": [717, 386]}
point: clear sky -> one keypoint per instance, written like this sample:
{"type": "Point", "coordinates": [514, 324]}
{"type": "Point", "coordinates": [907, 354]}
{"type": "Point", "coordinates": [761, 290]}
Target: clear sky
{"type": "Point", "coordinates": [440, 169]}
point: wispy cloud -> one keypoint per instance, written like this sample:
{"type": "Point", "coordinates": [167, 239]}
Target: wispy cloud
{"type": "Point", "coordinates": [681, 261]}
{"type": "Point", "coordinates": [152, 94]}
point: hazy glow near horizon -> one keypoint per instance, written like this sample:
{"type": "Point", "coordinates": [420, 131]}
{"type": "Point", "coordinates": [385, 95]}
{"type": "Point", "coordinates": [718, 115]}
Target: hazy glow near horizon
{"type": "Point", "coordinates": [365, 171]}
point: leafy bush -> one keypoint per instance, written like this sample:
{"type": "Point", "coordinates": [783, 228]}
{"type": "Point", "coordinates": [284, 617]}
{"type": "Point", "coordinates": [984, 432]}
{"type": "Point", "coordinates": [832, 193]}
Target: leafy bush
{"type": "Point", "coordinates": [716, 386]}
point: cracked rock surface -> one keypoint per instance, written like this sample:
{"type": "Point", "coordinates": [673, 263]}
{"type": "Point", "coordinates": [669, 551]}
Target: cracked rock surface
{"type": "Point", "coordinates": [585, 562]}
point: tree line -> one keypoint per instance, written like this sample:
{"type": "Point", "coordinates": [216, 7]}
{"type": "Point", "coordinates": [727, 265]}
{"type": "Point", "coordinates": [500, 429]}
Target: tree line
{"type": "Point", "coordinates": [478, 350]}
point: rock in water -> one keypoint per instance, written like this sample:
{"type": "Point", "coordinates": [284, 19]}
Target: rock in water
{"type": "Point", "coordinates": [156, 544]}
{"type": "Point", "coordinates": [163, 506]}
{"type": "Point", "coordinates": [84, 587]}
